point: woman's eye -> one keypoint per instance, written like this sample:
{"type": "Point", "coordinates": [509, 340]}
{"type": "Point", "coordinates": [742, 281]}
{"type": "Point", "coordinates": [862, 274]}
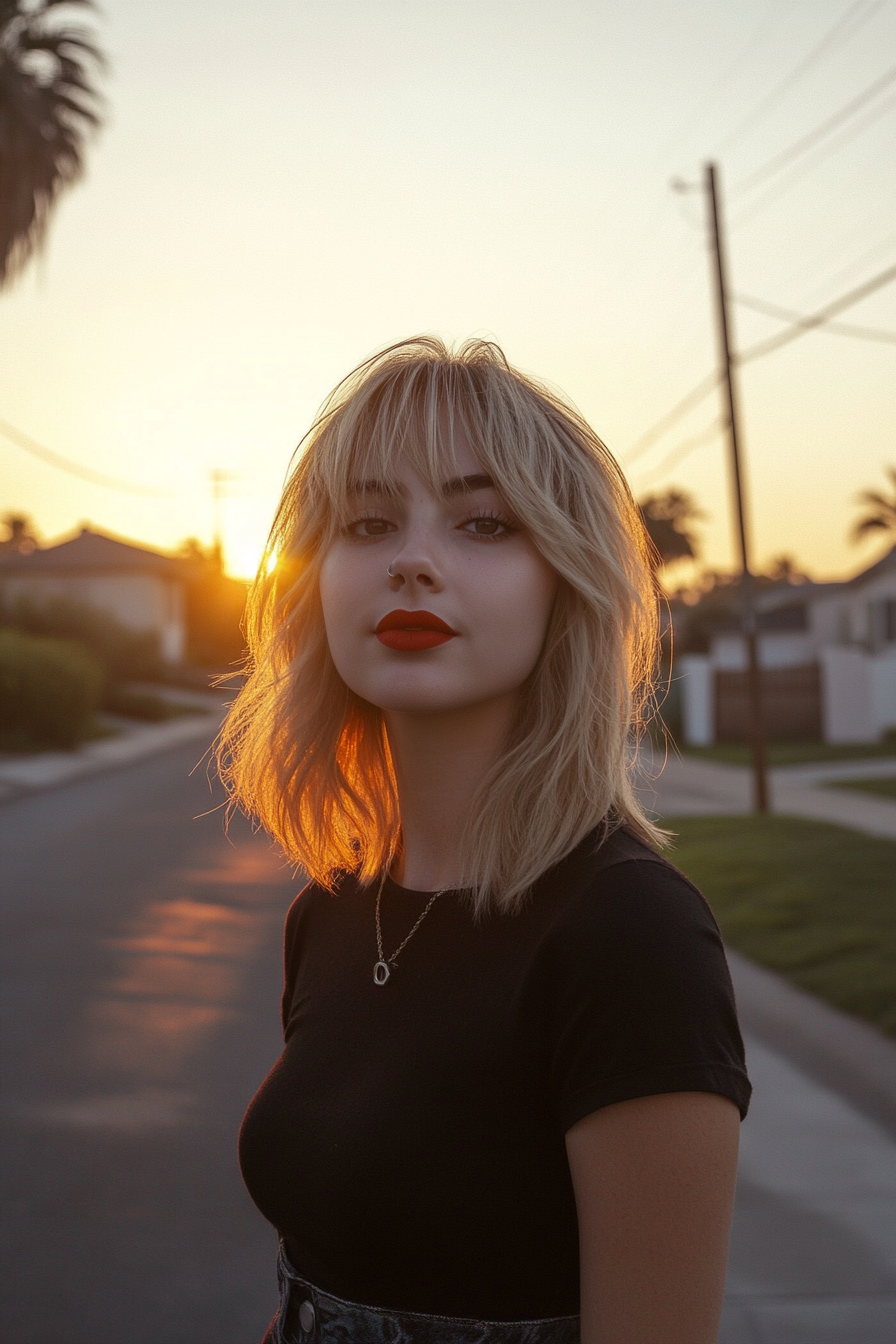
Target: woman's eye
{"type": "Point", "coordinates": [487, 527]}
{"type": "Point", "coordinates": [371, 527]}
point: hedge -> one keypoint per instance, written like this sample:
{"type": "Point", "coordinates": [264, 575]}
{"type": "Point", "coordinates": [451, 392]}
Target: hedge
{"type": "Point", "coordinates": [50, 690]}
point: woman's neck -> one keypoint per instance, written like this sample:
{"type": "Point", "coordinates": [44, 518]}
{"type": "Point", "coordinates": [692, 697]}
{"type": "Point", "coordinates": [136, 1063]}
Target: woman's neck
{"type": "Point", "coordinates": [440, 760]}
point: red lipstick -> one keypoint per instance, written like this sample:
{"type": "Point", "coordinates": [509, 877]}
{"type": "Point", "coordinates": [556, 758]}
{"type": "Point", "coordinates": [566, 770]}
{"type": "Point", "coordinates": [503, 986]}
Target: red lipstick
{"type": "Point", "coordinates": [411, 631]}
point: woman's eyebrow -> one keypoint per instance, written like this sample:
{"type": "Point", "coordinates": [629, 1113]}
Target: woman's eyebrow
{"type": "Point", "coordinates": [373, 487]}
{"type": "Point", "coordinates": [463, 485]}
{"type": "Point", "coordinates": [457, 485]}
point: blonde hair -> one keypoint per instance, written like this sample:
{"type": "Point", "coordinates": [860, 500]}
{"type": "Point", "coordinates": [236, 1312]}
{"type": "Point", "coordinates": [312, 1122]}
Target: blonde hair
{"type": "Point", "coordinates": [310, 760]}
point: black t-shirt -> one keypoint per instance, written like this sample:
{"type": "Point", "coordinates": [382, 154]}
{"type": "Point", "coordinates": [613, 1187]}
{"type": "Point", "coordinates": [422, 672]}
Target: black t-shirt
{"type": "Point", "coordinates": [409, 1142]}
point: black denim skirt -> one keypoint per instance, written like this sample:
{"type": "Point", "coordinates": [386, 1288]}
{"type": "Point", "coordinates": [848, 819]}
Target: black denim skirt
{"type": "Point", "coordinates": [309, 1316]}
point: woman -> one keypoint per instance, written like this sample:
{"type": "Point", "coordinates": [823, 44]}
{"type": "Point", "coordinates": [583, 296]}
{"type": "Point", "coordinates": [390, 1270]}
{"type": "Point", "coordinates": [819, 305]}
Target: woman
{"type": "Point", "coordinates": [508, 1105]}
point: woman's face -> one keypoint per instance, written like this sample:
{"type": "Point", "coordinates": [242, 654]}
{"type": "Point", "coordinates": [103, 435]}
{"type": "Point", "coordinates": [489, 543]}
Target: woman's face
{"type": "Point", "coordinates": [464, 618]}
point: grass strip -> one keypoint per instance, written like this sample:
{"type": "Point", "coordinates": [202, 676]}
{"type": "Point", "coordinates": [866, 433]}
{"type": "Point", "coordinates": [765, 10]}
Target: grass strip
{"type": "Point", "coordinates": [883, 787]}
{"type": "Point", "coordinates": [813, 901]}
{"type": "Point", "coordinates": [794, 753]}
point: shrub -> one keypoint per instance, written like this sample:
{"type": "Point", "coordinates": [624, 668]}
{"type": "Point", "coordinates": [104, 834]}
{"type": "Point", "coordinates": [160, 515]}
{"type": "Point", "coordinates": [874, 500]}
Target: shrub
{"type": "Point", "coordinates": [123, 654]}
{"type": "Point", "coordinates": [131, 704]}
{"type": "Point", "coordinates": [49, 691]}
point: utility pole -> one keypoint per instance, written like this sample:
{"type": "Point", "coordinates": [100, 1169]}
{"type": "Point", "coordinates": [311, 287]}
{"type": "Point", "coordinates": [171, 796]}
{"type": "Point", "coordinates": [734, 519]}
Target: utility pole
{"type": "Point", "coordinates": [756, 724]}
{"type": "Point", "coordinates": [218, 481]}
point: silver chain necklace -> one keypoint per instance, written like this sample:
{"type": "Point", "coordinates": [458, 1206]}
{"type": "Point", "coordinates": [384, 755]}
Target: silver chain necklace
{"type": "Point", "coordinates": [383, 968]}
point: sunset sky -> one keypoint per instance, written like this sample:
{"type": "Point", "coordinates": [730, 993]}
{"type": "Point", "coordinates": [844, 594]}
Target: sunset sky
{"type": "Point", "coordinates": [282, 188]}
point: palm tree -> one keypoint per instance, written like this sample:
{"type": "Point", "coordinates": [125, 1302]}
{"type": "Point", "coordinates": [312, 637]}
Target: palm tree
{"type": "Point", "coordinates": [880, 514]}
{"type": "Point", "coordinates": [667, 520]}
{"type": "Point", "coordinates": [48, 106]}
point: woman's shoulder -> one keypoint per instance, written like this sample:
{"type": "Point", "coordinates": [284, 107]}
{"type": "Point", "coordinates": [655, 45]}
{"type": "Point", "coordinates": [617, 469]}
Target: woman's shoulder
{"type": "Point", "coordinates": [615, 895]}
{"type": "Point", "coordinates": [634, 978]}
{"type": "Point", "coordinates": [313, 899]}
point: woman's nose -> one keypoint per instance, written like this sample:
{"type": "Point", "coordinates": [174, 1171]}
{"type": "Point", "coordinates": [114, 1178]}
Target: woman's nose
{"type": "Point", "coordinates": [414, 567]}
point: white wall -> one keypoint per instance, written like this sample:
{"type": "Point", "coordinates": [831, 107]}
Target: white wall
{"type": "Point", "coordinates": [846, 696]}
{"type": "Point", "coordinates": [883, 690]}
{"type": "Point", "coordinates": [698, 711]}
{"type": "Point", "coordinates": [777, 648]}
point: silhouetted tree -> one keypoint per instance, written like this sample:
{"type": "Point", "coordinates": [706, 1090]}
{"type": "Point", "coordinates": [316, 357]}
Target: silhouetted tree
{"type": "Point", "coordinates": [785, 569]}
{"type": "Point", "coordinates": [215, 606]}
{"type": "Point", "coordinates": [48, 106]}
{"type": "Point", "coordinates": [21, 537]}
{"type": "Point", "coordinates": [667, 520]}
{"type": "Point", "coordinates": [880, 511]}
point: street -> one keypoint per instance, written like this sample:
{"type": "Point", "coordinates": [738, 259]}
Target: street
{"type": "Point", "coordinates": [140, 990]}
{"type": "Point", "coordinates": [140, 987]}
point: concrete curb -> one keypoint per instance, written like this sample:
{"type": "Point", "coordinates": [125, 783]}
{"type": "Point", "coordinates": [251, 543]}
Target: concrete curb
{"type": "Point", "coordinates": [842, 1053]}
{"type": "Point", "coordinates": [33, 774]}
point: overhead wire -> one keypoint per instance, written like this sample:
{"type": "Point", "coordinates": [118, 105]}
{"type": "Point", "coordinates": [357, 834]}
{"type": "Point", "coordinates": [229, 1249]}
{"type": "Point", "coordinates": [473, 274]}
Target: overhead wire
{"type": "Point", "coordinates": [772, 15]}
{"type": "Point", "coordinates": [705, 387]}
{"type": "Point", "coordinates": [848, 272]}
{"type": "Point", "coordinates": [683, 450]}
{"type": "Point", "coordinates": [817, 319]}
{"type": "Point", "coordinates": [800, 170]}
{"type": "Point", "coordinates": [844, 28]}
{"type": "Point", "coordinates": [687, 403]}
{"type": "Point", "coordinates": [799, 319]}
{"type": "Point", "coordinates": [805, 142]}
{"type": "Point", "coordinates": [25, 441]}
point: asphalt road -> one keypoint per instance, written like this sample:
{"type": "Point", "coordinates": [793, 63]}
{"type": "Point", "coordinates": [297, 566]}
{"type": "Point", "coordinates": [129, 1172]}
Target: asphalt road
{"type": "Point", "coordinates": [140, 980]}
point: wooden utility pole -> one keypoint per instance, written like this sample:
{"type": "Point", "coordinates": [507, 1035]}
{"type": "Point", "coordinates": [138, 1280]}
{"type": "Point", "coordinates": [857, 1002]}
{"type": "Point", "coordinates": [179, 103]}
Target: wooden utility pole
{"type": "Point", "coordinates": [756, 726]}
{"type": "Point", "coordinates": [219, 480]}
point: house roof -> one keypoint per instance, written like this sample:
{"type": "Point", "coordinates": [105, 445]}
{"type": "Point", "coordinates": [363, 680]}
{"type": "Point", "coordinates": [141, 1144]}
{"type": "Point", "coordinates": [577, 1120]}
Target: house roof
{"type": "Point", "coordinates": [882, 566]}
{"type": "Point", "coordinates": [92, 553]}
{"type": "Point", "coordinates": [769, 600]}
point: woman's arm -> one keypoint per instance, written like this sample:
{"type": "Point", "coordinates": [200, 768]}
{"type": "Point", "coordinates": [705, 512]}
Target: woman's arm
{"type": "Point", "coordinates": [654, 1184]}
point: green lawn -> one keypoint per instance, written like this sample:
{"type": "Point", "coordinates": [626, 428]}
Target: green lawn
{"type": "Point", "coordinates": [884, 786]}
{"type": "Point", "coordinates": [794, 753]}
{"type": "Point", "coordinates": [813, 901]}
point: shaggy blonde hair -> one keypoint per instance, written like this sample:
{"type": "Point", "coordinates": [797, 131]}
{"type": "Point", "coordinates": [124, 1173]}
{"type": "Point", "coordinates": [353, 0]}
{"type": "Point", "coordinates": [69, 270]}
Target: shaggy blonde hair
{"type": "Point", "coordinates": [310, 760]}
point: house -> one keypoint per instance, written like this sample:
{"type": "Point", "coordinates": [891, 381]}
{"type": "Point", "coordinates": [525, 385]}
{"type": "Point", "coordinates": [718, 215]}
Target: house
{"type": "Point", "coordinates": [143, 590]}
{"type": "Point", "coordinates": [828, 654]}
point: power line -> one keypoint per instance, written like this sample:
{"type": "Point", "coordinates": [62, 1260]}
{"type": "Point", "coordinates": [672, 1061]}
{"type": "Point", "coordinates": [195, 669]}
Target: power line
{"type": "Point", "coordinates": [806, 142]}
{"type": "Point", "coordinates": [793, 333]}
{"type": "Point", "coordinates": [843, 29]}
{"type": "Point", "coordinates": [758, 38]}
{"type": "Point", "coordinates": [800, 170]}
{"type": "Point", "coordinates": [707, 385]}
{"type": "Point", "coordinates": [658, 429]}
{"type": "Point", "coordinates": [683, 450]}
{"type": "Point", "coordinates": [799, 319]}
{"type": "Point", "coordinates": [844, 274]}
{"type": "Point", "coordinates": [47, 455]}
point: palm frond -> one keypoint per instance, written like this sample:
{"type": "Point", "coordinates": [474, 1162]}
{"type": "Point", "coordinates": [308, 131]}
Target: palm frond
{"type": "Point", "coordinates": [49, 104]}
{"type": "Point", "coordinates": [880, 514]}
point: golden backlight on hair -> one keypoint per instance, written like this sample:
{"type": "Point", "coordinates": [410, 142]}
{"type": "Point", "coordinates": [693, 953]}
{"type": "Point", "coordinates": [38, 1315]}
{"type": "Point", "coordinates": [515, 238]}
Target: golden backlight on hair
{"type": "Point", "coordinates": [310, 760]}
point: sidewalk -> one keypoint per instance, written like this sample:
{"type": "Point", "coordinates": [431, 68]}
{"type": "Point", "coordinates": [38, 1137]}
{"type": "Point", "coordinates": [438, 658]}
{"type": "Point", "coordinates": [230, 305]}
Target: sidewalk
{"type": "Point", "coordinates": [813, 1251]}
{"type": "Point", "coordinates": [134, 741]}
{"type": "Point", "coordinates": [686, 786]}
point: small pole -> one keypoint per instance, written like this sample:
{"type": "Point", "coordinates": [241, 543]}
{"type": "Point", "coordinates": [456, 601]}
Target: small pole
{"type": "Point", "coordinates": [756, 726]}
{"type": "Point", "coordinates": [218, 480]}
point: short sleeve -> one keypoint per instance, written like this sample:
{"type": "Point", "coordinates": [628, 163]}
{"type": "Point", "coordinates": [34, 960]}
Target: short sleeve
{"type": "Point", "coordinates": [640, 998]}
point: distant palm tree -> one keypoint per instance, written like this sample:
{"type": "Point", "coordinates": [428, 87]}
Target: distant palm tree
{"type": "Point", "coordinates": [48, 106]}
{"type": "Point", "coordinates": [880, 515]}
{"type": "Point", "coordinates": [667, 520]}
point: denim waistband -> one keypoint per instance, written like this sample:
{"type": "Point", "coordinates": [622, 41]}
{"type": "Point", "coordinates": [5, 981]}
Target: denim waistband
{"type": "Point", "coordinates": [309, 1316]}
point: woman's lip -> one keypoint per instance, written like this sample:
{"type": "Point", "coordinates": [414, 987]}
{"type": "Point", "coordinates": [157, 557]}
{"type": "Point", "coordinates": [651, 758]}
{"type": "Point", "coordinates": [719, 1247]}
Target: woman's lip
{"type": "Point", "coordinates": [413, 620]}
{"type": "Point", "coordinates": [412, 631]}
